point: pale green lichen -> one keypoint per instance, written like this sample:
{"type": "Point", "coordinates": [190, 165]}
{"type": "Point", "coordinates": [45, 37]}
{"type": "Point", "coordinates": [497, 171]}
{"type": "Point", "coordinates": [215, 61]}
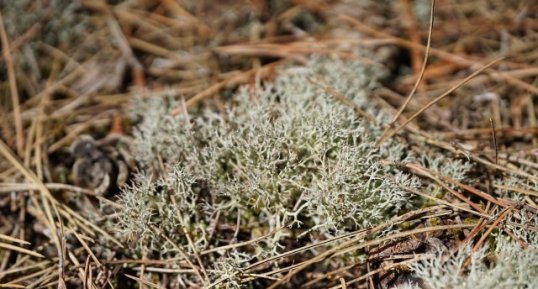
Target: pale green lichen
{"type": "Point", "coordinates": [509, 267]}
{"type": "Point", "coordinates": [281, 154]}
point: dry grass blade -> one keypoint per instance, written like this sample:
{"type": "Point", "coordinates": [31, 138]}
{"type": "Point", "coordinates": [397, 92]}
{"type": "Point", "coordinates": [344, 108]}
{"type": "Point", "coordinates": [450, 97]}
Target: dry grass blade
{"type": "Point", "coordinates": [197, 270]}
{"type": "Point", "coordinates": [87, 248]}
{"type": "Point", "coordinates": [14, 240]}
{"type": "Point", "coordinates": [472, 190]}
{"type": "Point", "coordinates": [457, 150]}
{"type": "Point", "coordinates": [382, 269]}
{"type": "Point", "coordinates": [502, 215]}
{"type": "Point", "coordinates": [76, 132]}
{"type": "Point", "coordinates": [11, 285]}
{"type": "Point", "coordinates": [517, 190]}
{"type": "Point", "coordinates": [85, 224]}
{"type": "Point", "coordinates": [143, 281]}
{"type": "Point", "coordinates": [9, 188]}
{"type": "Point", "coordinates": [83, 274]}
{"type": "Point", "coordinates": [21, 269]}
{"type": "Point", "coordinates": [241, 244]}
{"type": "Point", "coordinates": [446, 203]}
{"type": "Point", "coordinates": [13, 87]}
{"type": "Point", "coordinates": [354, 237]}
{"type": "Point", "coordinates": [437, 99]}
{"type": "Point", "coordinates": [481, 224]}
{"type": "Point", "coordinates": [398, 235]}
{"type": "Point", "coordinates": [21, 250]}
{"type": "Point", "coordinates": [348, 247]}
{"type": "Point", "coordinates": [46, 196]}
{"type": "Point", "coordinates": [50, 205]}
{"type": "Point", "coordinates": [427, 173]}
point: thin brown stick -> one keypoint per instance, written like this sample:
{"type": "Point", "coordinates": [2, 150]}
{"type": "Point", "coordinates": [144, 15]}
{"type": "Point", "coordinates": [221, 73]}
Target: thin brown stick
{"type": "Point", "coordinates": [472, 190]}
{"type": "Point", "coordinates": [427, 173]}
{"type": "Point", "coordinates": [494, 225]}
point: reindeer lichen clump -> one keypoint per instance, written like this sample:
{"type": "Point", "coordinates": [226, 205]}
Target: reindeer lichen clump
{"type": "Point", "coordinates": [510, 267]}
{"type": "Point", "coordinates": [284, 153]}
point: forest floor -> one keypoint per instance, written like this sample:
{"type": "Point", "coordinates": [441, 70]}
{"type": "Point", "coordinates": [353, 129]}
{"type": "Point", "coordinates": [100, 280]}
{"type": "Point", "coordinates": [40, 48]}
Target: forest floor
{"type": "Point", "coordinates": [71, 71]}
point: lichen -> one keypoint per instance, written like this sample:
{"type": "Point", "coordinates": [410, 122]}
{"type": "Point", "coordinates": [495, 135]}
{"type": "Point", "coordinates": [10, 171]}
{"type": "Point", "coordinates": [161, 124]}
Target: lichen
{"type": "Point", "coordinates": [283, 153]}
